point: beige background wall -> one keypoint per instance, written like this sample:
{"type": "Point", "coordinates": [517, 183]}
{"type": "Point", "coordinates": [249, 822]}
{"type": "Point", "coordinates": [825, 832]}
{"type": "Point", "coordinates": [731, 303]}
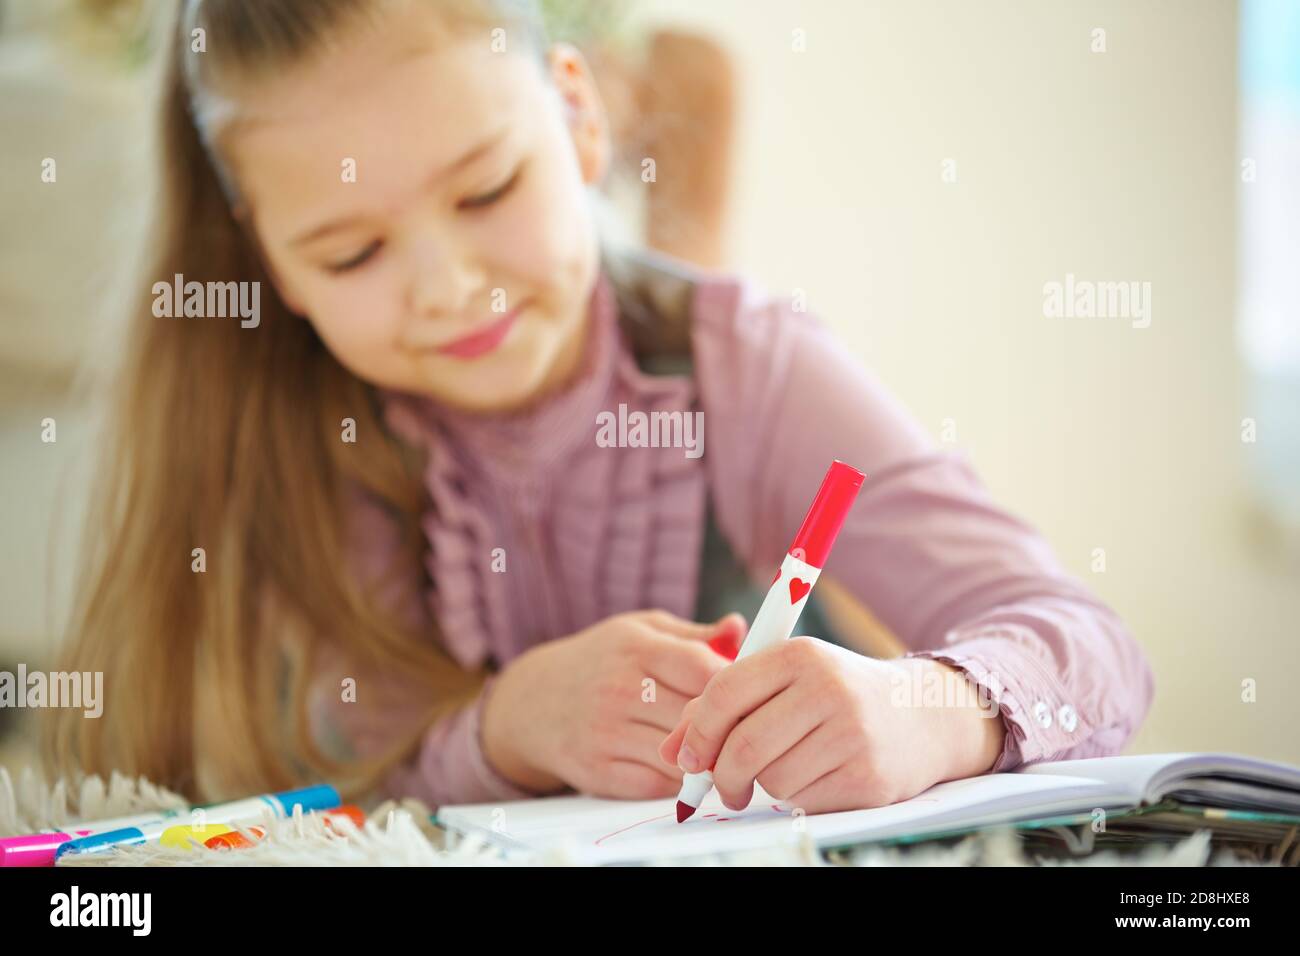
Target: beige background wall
{"type": "Point", "coordinates": [1112, 166]}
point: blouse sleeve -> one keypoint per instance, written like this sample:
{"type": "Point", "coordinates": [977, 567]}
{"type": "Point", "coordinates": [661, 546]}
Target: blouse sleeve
{"type": "Point", "coordinates": [955, 577]}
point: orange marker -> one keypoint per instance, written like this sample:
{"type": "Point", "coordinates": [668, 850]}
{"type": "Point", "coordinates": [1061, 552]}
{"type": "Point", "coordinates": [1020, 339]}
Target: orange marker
{"type": "Point", "coordinates": [234, 840]}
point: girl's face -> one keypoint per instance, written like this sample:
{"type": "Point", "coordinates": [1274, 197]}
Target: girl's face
{"type": "Point", "coordinates": [422, 203]}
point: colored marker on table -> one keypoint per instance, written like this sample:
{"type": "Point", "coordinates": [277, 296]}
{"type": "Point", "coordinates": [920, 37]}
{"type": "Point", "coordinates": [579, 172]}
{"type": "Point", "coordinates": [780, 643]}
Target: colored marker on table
{"type": "Point", "coordinates": [184, 837]}
{"type": "Point", "coordinates": [788, 594]}
{"type": "Point", "coordinates": [35, 849]}
{"type": "Point", "coordinates": [322, 797]}
{"type": "Point", "coordinates": [40, 849]}
{"type": "Point", "coordinates": [234, 840]}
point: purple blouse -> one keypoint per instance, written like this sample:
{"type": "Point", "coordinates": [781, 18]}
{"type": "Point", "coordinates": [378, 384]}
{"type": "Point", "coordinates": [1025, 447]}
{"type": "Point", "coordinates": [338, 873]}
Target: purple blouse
{"type": "Point", "coordinates": [589, 531]}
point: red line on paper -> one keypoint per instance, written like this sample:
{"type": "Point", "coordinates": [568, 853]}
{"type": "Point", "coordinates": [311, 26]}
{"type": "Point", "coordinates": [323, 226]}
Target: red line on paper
{"type": "Point", "coordinates": [713, 816]}
{"type": "Point", "coordinates": [631, 826]}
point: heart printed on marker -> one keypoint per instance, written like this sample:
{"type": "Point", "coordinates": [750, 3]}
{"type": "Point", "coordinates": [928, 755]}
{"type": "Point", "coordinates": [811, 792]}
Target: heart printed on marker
{"type": "Point", "coordinates": [798, 588]}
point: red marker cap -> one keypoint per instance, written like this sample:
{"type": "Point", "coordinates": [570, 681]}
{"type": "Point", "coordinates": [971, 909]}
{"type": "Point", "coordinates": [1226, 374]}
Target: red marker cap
{"type": "Point", "coordinates": [826, 515]}
{"type": "Point", "coordinates": [727, 644]}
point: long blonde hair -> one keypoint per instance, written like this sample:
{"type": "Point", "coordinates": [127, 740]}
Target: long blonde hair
{"type": "Point", "coordinates": [228, 439]}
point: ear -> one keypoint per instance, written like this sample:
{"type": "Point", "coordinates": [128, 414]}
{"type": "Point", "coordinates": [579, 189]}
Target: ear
{"type": "Point", "coordinates": [583, 108]}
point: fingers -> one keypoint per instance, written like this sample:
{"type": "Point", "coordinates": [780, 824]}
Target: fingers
{"type": "Point", "coordinates": [770, 732]}
{"type": "Point", "coordinates": [640, 742]}
{"type": "Point", "coordinates": [823, 750]}
{"type": "Point", "coordinates": [841, 789]}
{"type": "Point", "coordinates": [636, 747]}
{"type": "Point", "coordinates": [693, 630]}
{"type": "Point", "coordinates": [633, 780]}
{"type": "Point", "coordinates": [627, 768]}
{"type": "Point", "coordinates": [732, 694]}
{"type": "Point", "coordinates": [664, 712]}
{"type": "Point", "coordinates": [668, 749]}
{"type": "Point", "coordinates": [684, 654]}
{"type": "Point", "coordinates": [684, 666]}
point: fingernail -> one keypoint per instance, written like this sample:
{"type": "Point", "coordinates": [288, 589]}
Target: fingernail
{"type": "Point", "coordinates": [687, 760]}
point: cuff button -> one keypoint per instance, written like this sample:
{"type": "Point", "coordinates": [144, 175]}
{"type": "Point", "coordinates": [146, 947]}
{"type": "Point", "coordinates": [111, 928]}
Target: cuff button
{"type": "Point", "coordinates": [1067, 718]}
{"type": "Point", "coordinates": [1043, 714]}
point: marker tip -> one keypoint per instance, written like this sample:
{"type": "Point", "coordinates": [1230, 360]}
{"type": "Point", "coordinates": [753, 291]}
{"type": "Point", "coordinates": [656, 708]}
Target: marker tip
{"type": "Point", "coordinates": [684, 811]}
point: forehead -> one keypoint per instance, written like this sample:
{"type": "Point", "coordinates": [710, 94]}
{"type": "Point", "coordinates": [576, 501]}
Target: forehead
{"type": "Point", "coordinates": [400, 109]}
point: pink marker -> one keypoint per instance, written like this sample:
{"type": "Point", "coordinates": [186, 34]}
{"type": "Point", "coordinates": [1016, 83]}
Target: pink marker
{"type": "Point", "coordinates": [41, 849]}
{"type": "Point", "coordinates": [35, 849]}
{"type": "Point", "coordinates": [785, 599]}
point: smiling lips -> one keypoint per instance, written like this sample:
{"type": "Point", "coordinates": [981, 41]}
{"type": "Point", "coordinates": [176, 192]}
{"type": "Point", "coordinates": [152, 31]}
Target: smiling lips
{"type": "Point", "coordinates": [483, 341]}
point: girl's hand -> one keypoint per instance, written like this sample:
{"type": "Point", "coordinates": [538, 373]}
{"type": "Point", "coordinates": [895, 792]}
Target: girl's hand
{"type": "Point", "coordinates": [590, 710]}
{"type": "Point", "coordinates": [823, 728]}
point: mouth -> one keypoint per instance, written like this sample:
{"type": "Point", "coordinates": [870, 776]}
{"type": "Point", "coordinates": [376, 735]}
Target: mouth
{"type": "Point", "coordinates": [484, 340]}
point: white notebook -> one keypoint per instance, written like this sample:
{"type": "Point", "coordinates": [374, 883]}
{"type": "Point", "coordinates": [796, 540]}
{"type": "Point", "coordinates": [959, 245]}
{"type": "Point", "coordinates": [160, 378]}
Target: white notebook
{"type": "Point", "coordinates": [617, 831]}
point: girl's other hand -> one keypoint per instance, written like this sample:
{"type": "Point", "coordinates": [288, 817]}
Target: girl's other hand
{"type": "Point", "coordinates": [590, 710]}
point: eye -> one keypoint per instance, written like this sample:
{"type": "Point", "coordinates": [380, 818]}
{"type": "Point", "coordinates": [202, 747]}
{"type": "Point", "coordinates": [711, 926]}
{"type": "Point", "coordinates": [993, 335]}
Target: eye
{"type": "Point", "coordinates": [487, 199]}
{"type": "Point", "coordinates": [358, 260]}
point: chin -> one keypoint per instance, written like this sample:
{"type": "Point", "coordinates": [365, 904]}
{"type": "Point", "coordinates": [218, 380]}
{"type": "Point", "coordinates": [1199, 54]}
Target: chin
{"type": "Point", "coordinates": [503, 387]}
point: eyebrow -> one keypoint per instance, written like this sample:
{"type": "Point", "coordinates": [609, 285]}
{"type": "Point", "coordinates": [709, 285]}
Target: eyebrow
{"type": "Point", "coordinates": [468, 158]}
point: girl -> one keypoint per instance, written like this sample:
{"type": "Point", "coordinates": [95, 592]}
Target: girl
{"type": "Point", "coordinates": [374, 536]}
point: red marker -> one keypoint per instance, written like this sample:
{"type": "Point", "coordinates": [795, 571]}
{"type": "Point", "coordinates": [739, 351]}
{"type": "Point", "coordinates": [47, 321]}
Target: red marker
{"type": "Point", "coordinates": [786, 597]}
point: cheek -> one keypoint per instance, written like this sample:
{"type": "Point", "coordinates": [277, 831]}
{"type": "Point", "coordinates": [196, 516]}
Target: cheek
{"type": "Point", "coordinates": [358, 319]}
{"type": "Point", "coordinates": [548, 233]}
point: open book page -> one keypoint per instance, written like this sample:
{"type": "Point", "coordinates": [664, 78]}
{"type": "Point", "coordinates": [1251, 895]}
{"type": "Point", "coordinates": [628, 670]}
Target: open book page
{"type": "Point", "coordinates": [1149, 777]}
{"type": "Point", "coordinates": [606, 831]}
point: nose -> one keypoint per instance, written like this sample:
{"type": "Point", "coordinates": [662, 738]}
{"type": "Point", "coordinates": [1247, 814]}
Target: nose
{"type": "Point", "coordinates": [445, 278]}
